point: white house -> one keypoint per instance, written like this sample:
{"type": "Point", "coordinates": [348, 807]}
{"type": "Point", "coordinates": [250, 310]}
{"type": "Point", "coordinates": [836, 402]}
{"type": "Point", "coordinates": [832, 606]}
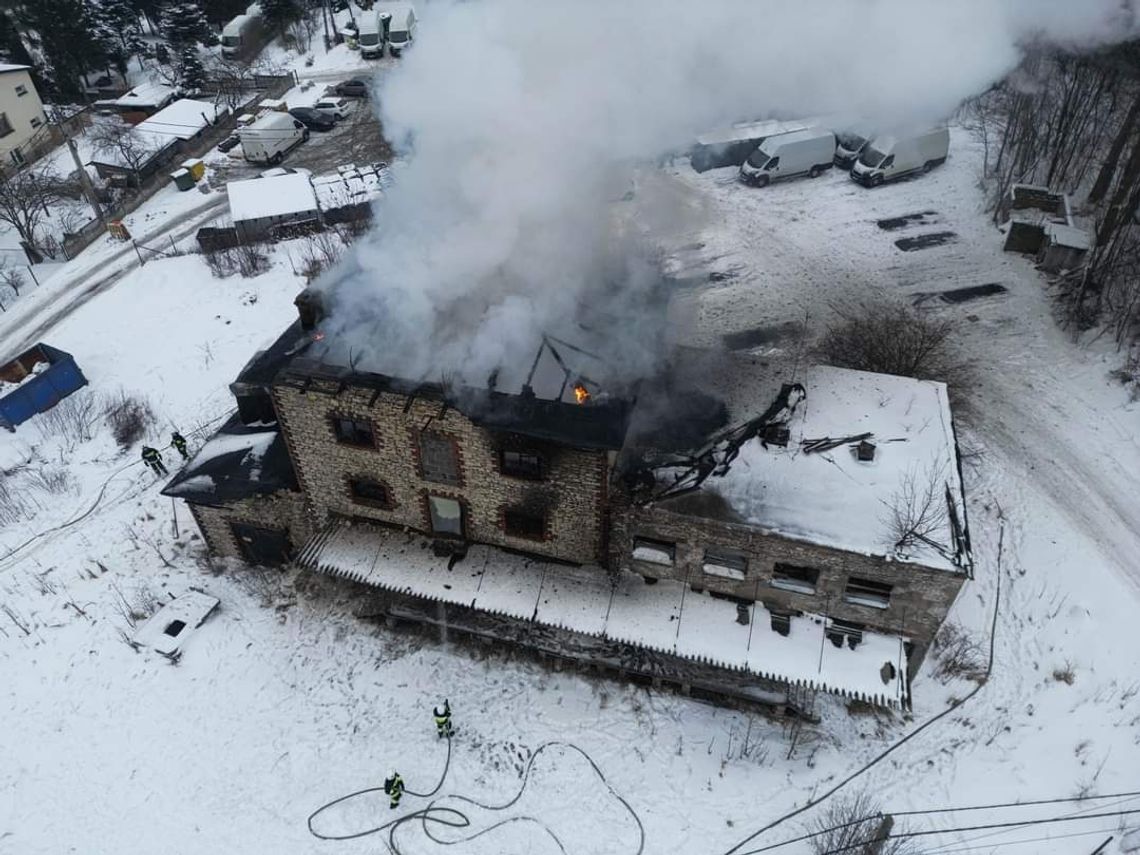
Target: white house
{"type": "Point", "coordinates": [259, 204]}
{"type": "Point", "coordinates": [21, 114]}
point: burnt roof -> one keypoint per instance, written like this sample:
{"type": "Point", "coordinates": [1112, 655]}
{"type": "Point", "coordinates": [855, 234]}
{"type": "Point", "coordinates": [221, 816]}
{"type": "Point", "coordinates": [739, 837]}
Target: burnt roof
{"type": "Point", "coordinates": [238, 462]}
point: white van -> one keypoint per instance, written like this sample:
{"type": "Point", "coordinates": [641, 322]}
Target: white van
{"type": "Point", "coordinates": [401, 29]}
{"type": "Point", "coordinates": [889, 158]}
{"type": "Point", "coordinates": [849, 144]}
{"type": "Point", "coordinates": [271, 137]}
{"type": "Point", "coordinates": [807, 152]}
{"type": "Point", "coordinates": [370, 36]}
{"type": "Point", "coordinates": [244, 36]}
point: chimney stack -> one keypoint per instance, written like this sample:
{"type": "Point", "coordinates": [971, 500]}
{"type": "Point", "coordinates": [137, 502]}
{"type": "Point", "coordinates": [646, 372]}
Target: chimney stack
{"type": "Point", "coordinates": [310, 307]}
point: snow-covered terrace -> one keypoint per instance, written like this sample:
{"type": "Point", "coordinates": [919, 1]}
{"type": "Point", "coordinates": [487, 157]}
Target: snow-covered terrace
{"type": "Point", "coordinates": [831, 497]}
{"type": "Point", "coordinates": [350, 185]}
{"type": "Point", "coordinates": [665, 617]}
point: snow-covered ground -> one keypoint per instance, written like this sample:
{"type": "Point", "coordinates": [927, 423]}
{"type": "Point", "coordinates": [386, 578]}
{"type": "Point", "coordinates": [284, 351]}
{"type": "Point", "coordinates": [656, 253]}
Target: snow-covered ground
{"type": "Point", "coordinates": [282, 701]}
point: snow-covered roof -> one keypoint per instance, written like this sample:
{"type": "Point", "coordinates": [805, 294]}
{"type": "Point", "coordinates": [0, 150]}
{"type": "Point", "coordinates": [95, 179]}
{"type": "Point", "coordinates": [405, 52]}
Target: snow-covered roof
{"type": "Point", "coordinates": [664, 617]}
{"type": "Point", "coordinates": [832, 498]}
{"type": "Point", "coordinates": [1069, 236]}
{"type": "Point", "coordinates": [751, 130]}
{"type": "Point", "coordinates": [275, 196]}
{"type": "Point", "coordinates": [6, 67]}
{"type": "Point", "coordinates": [182, 119]}
{"type": "Point", "coordinates": [146, 95]}
{"type": "Point", "coordinates": [351, 185]}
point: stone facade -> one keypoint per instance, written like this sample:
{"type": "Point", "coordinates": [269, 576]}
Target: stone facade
{"type": "Point", "coordinates": [283, 511]}
{"type": "Point", "coordinates": [570, 497]}
{"type": "Point", "coordinates": [919, 600]}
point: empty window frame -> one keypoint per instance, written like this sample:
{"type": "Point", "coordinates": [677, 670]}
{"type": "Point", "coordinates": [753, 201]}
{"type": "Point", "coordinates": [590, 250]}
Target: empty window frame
{"type": "Point", "coordinates": [368, 491]}
{"type": "Point", "coordinates": [439, 458]}
{"type": "Point", "coordinates": [799, 580]}
{"type": "Point", "coordinates": [350, 431]}
{"type": "Point", "coordinates": [654, 551]}
{"type": "Point", "coordinates": [521, 464]}
{"type": "Point", "coordinates": [36, 121]}
{"type": "Point", "coordinates": [5, 126]}
{"type": "Point", "coordinates": [867, 592]}
{"type": "Point", "coordinates": [781, 622]}
{"type": "Point", "coordinates": [446, 516]}
{"type": "Point", "coordinates": [840, 631]}
{"type": "Point", "coordinates": [725, 563]}
{"type": "Point", "coordinates": [21, 90]}
{"type": "Point", "coordinates": [520, 522]}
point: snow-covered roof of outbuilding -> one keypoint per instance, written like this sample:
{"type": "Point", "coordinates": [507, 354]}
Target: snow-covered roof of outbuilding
{"type": "Point", "coordinates": [182, 119]}
{"type": "Point", "coordinates": [146, 95]}
{"type": "Point", "coordinates": [351, 185]}
{"type": "Point", "coordinates": [833, 498]}
{"type": "Point", "coordinates": [6, 67]}
{"type": "Point", "coordinates": [274, 196]}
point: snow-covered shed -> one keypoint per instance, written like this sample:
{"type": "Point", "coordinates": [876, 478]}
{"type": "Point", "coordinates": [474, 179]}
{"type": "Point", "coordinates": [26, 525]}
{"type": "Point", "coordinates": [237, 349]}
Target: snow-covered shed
{"type": "Point", "coordinates": [257, 205]}
{"type": "Point", "coordinates": [136, 104]}
{"type": "Point", "coordinates": [174, 130]}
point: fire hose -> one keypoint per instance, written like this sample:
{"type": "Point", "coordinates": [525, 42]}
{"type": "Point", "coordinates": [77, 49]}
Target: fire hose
{"type": "Point", "coordinates": [450, 817]}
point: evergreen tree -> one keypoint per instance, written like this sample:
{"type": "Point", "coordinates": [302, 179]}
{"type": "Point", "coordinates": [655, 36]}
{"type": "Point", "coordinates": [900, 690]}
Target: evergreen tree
{"type": "Point", "coordinates": [118, 29]}
{"type": "Point", "coordinates": [184, 23]}
{"type": "Point", "coordinates": [221, 12]}
{"type": "Point", "coordinates": [279, 14]}
{"type": "Point", "coordinates": [66, 35]}
{"type": "Point", "coordinates": [191, 74]}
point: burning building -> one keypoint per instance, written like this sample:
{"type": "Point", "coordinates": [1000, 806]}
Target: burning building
{"type": "Point", "coordinates": [671, 529]}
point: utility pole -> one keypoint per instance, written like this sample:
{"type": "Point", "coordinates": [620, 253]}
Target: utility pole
{"type": "Point", "coordinates": [84, 178]}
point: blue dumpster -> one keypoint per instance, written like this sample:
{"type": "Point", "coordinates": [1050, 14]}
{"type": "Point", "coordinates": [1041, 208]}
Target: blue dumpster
{"type": "Point", "coordinates": [36, 381]}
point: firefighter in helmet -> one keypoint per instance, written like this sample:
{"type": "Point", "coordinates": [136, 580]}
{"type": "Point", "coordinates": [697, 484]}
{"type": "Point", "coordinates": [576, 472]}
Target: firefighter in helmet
{"type": "Point", "coordinates": [394, 787]}
{"type": "Point", "coordinates": [442, 720]}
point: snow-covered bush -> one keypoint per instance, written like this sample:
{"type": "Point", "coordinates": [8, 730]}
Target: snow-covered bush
{"type": "Point", "coordinates": [958, 655]}
{"type": "Point", "coordinates": [129, 417]}
{"type": "Point", "coordinates": [857, 824]}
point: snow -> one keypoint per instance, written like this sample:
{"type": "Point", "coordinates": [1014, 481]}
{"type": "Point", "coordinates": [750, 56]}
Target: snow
{"type": "Point", "coordinates": [832, 498]}
{"type": "Point", "coordinates": [749, 130]}
{"type": "Point", "coordinates": [254, 446]}
{"type": "Point", "coordinates": [148, 94]}
{"type": "Point", "coordinates": [351, 185]}
{"type": "Point", "coordinates": [652, 555]}
{"type": "Point", "coordinates": [721, 570]}
{"type": "Point", "coordinates": [6, 67]}
{"type": "Point", "coordinates": [665, 617]}
{"type": "Point", "coordinates": [273, 196]}
{"type": "Point", "coordinates": [7, 386]}
{"type": "Point", "coordinates": [1070, 236]}
{"type": "Point", "coordinates": [161, 633]}
{"type": "Point", "coordinates": [182, 119]}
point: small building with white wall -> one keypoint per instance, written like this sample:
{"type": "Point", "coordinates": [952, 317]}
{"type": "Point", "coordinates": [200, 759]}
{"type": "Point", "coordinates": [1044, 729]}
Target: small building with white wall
{"type": "Point", "coordinates": [257, 205]}
{"type": "Point", "coordinates": [21, 114]}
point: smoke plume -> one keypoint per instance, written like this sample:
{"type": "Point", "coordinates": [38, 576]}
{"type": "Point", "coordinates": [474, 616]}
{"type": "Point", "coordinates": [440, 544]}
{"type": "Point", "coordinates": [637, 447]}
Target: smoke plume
{"type": "Point", "coordinates": [523, 119]}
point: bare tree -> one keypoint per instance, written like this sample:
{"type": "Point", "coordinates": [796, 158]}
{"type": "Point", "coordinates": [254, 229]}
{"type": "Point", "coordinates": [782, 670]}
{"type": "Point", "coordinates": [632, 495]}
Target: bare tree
{"type": "Point", "coordinates": [25, 195]}
{"type": "Point", "coordinates": [113, 138]}
{"type": "Point", "coordinates": [856, 825]}
{"type": "Point", "coordinates": [11, 277]}
{"type": "Point", "coordinates": [917, 512]}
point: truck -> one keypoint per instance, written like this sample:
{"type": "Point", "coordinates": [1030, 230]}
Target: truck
{"type": "Point", "coordinates": [731, 146]}
{"type": "Point", "coordinates": [245, 35]}
{"type": "Point", "coordinates": [889, 158]}
{"type": "Point", "coordinates": [271, 137]}
{"type": "Point", "coordinates": [35, 381]}
{"type": "Point", "coordinates": [371, 36]}
{"type": "Point", "coordinates": [808, 152]}
{"type": "Point", "coordinates": [401, 29]}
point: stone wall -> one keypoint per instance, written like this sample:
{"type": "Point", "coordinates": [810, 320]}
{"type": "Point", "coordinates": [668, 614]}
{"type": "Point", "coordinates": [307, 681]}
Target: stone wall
{"type": "Point", "coordinates": [282, 510]}
{"type": "Point", "coordinates": [919, 601]}
{"type": "Point", "coordinates": [572, 494]}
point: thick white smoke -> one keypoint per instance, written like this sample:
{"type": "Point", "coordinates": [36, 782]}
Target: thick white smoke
{"type": "Point", "coordinates": [519, 115]}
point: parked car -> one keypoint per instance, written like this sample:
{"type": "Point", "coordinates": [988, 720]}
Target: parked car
{"type": "Point", "coordinates": [274, 171]}
{"type": "Point", "coordinates": [782, 156]}
{"type": "Point", "coordinates": [338, 108]}
{"type": "Point", "coordinates": [314, 120]}
{"type": "Point", "coordinates": [891, 158]}
{"type": "Point", "coordinates": [351, 89]}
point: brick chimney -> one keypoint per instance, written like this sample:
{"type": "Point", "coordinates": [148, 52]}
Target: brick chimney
{"type": "Point", "coordinates": [310, 307]}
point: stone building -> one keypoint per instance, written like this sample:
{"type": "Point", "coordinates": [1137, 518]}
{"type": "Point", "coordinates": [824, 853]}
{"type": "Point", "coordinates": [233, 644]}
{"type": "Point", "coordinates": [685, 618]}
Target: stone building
{"type": "Point", "coordinates": [690, 539]}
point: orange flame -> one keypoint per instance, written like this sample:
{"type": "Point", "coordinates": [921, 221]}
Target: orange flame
{"type": "Point", "coordinates": [581, 393]}
{"type": "Point", "coordinates": [318, 336]}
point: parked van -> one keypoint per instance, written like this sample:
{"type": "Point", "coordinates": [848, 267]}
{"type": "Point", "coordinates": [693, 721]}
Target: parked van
{"type": "Point", "coordinates": [888, 158]}
{"type": "Point", "coordinates": [849, 144]}
{"type": "Point", "coordinates": [401, 29]}
{"type": "Point", "coordinates": [244, 36]}
{"type": "Point", "coordinates": [807, 152]}
{"type": "Point", "coordinates": [271, 137]}
{"type": "Point", "coordinates": [370, 36]}
{"type": "Point", "coordinates": [731, 146]}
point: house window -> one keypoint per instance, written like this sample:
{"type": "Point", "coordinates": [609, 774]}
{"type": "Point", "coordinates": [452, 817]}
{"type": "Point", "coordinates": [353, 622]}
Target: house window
{"type": "Point", "coordinates": [521, 464]}
{"type": "Point", "coordinates": [351, 431]}
{"type": "Point", "coordinates": [17, 157]}
{"type": "Point", "coordinates": [37, 121]}
{"type": "Point", "coordinates": [439, 459]}
{"type": "Point", "coordinates": [654, 551]}
{"type": "Point", "coordinates": [800, 580]}
{"type": "Point", "coordinates": [446, 516]}
{"type": "Point", "coordinates": [867, 592]}
{"type": "Point", "coordinates": [781, 622]}
{"type": "Point", "coordinates": [21, 90]}
{"type": "Point", "coordinates": [367, 491]}
{"type": "Point", "coordinates": [725, 563]}
{"type": "Point", "coordinates": [519, 522]}
{"type": "Point", "coordinates": [839, 631]}
{"type": "Point", "coordinates": [5, 126]}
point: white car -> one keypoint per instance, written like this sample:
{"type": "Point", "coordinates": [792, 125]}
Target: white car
{"type": "Point", "coordinates": [273, 172]}
{"type": "Point", "coordinates": [338, 108]}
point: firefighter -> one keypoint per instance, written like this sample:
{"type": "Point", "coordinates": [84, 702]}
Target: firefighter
{"type": "Point", "coordinates": [153, 459]}
{"type": "Point", "coordinates": [442, 720]}
{"type": "Point", "coordinates": [394, 787]}
{"type": "Point", "coordinates": [179, 443]}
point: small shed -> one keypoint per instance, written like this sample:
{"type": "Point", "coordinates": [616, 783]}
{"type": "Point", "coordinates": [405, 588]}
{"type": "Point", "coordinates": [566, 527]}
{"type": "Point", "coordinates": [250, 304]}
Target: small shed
{"type": "Point", "coordinates": [36, 381]}
{"type": "Point", "coordinates": [258, 205]}
{"type": "Point", "coordinates": [1028, 209]}
{"type": "Point", "coordinates": [1063, 248]}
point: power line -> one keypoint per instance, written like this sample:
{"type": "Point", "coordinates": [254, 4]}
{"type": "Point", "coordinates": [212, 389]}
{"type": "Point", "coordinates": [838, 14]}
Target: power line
{"type": "Point", "coordinates": [1021, 841]}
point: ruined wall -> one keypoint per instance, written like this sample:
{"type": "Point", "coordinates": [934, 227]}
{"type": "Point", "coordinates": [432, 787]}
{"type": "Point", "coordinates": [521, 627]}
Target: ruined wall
{"type": "Point", "coordinates": [283, 510]}
{"type": "Point", "coordinates": [572, 494]}
{"type": "Point", "coordinates": [918, 604]}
